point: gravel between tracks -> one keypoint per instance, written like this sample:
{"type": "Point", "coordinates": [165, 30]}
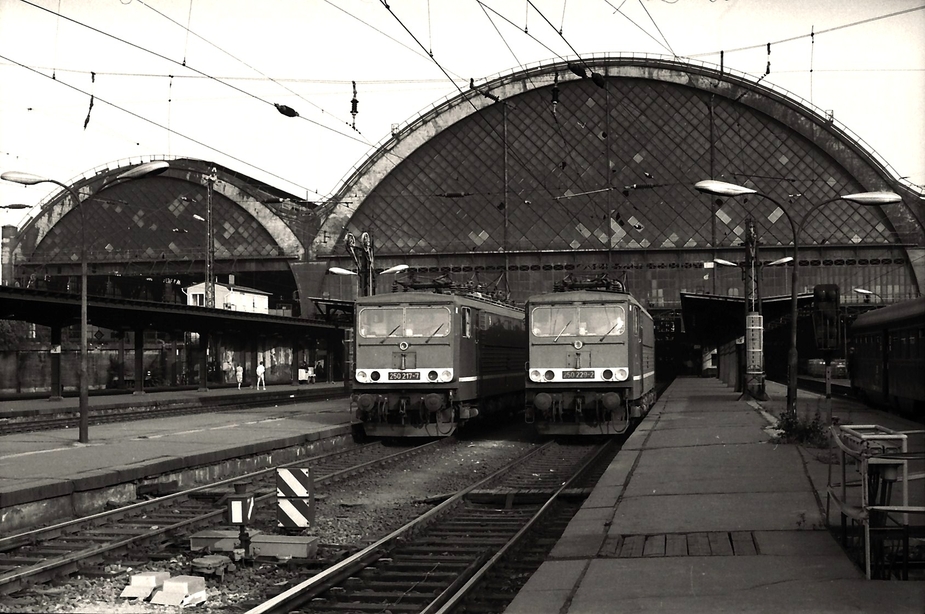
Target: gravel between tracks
{"type": "Point", "coordinates": [364, 507]}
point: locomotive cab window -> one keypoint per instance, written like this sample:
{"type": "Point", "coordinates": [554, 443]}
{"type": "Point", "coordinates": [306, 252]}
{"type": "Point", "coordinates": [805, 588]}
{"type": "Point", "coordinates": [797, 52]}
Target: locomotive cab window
{"type": "Point", "coordinates": [384, 322]}
{"type": "Point", "coordinates": [466, 315]}
{"type": "Point", "coordinates": [427, 321]}
{"type": "Point", "coordinates": [584, 320]}
{"type": "Point", "coordinates": [380, 322]}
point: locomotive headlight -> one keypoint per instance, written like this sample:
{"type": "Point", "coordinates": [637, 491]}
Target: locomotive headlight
{"type": "Point", "coordinates": [446, 375]}
{"type": "Point", "coordinates": [432, 376]}
{"type": "Point", "coordinates": [374, 376]}
{"type": "Point", "coordinates": [535, 375]}
{"type": "Point", "coordinates": [607, 374]}
{"type": "Point", "coordinates": [622, 374]}
{"type": "Point", "coordinates": [362, 376]}
{"type": "Point", "coordinates": [578, 344]}
{"type": "Point", "coordinates": [549, 375]}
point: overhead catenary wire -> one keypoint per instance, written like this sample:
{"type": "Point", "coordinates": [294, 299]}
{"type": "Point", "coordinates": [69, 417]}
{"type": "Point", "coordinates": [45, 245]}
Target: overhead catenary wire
{"type": "Point", "coordinates": [162, 127]}
{"type": "Point", "coordinates": [815, 33]}
{"type": "Point", "coordinates": [237, 59]}
{"type": "Point", "coordinates": [652, 19]}
{"type": "Point", "coordinates": [202, 73]}
{"type": "Point", "coordinates": [641, 29]}
{"type": "Point", "coordinates": [501, 36]}
{"type": "Point", "coordinates": [493, 128]}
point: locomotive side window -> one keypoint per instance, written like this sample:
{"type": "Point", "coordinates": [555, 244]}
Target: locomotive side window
{"type": "Point", "coordinates": [466, 322]}
{"type": "Point", "coordinates": [380, 322]}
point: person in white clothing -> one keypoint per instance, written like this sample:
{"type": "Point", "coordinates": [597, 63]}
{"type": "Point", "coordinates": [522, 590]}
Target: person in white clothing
{"type": "Point", "coordinates": [260, 372]}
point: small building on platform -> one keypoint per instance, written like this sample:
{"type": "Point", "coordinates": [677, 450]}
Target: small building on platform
{"type": "Point", "coordinates": [230, 296]}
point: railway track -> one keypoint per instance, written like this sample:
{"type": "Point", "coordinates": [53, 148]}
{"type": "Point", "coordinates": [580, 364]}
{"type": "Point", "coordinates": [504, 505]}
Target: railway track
{"type": "Point", "coordinates": [179, 407]}
{"type": "Point", "coordinates": [434, 563]}
{"type": "Point", "coordinates": [43, 554]}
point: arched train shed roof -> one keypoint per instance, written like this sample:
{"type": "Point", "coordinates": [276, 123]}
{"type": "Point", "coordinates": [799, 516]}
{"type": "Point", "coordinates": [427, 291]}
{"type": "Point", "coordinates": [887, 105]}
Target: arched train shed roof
{"type": "Point", "coordinates": [545, 160]}
{"type": "Point", "coordinates": [162, 218]}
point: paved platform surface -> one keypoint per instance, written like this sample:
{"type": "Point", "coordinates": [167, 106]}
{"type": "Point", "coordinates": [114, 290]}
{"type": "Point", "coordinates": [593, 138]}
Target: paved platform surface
{"type": "Point", "coordinates": [30, 405]}
{"type": "Point", "coordinates": [701, 512]}
{"type": "Point", "coordinates": [46, 464]}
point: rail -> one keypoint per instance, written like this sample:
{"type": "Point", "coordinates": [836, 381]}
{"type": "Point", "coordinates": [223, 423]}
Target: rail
{"type": "Point", "coordinates": [471, 560]}
{"type": "Point", "coordinates": [68, 549]}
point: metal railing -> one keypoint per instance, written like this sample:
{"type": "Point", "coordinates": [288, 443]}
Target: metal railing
{"type": "Point", "coordinates": [881, 457]}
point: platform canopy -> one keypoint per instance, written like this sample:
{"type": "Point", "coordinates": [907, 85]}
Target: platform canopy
{"type": "Point", "coordinates": [713, 320]}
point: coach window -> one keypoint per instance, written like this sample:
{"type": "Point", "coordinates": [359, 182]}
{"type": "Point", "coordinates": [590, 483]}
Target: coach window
{"type": "Point", "coordinates": [466, 322]}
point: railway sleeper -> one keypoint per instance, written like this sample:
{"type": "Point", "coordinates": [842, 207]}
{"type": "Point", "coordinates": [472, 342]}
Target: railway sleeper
{"type": "Point", "coordinates": [435, 575]}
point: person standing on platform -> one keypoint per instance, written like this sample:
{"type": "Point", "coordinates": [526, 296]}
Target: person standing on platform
{"type": "Point", "coordinates": [239, 375]}
{"type": "Point", "coordinates": [260, 371]}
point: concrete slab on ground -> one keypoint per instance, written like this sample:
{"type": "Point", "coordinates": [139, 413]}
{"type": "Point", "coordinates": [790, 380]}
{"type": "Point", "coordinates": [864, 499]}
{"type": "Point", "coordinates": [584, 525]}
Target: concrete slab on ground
{"type": "Point", "coordinates": [738, 584]}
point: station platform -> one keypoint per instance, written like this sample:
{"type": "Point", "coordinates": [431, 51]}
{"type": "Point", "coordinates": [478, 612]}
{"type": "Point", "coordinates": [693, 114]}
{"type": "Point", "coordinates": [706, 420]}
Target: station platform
{"type": "Point", "coordinates": [32, 405]}
{"type": "Point", "coordinates": [701, 512]}
{"type": "Point", "coordinates": [47, 476]}
{"type": "Point", "coordinates": [700, 466]}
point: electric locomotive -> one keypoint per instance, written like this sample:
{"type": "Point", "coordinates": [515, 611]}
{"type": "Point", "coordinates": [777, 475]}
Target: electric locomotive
{"type": "Point", "coordinates": [592, 359]}
{"type": "Point", "coordinates": [429, 362]}
{"type": "Point", "coordinates": [888, 356]}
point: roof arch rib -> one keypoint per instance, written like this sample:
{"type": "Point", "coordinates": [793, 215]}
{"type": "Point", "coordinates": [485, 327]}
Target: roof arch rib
{"type": "Point", "coordinates": [611, 164]}
{"type": "Point", "coordinates": [160, 218]}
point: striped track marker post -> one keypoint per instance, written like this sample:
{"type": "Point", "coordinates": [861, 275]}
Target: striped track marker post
{"type": "Point", "coordinates": [295, 497]}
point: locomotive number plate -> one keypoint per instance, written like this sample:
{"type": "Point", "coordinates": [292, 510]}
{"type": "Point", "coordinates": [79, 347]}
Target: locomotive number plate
{"type": "Point", "coordinates": [578, 375]}
{"type": "Point", "coordinates": [404, 375]}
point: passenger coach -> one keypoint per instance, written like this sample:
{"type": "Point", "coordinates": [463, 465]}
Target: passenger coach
{"type": "Point", "coordinates": [888, 358]}
{"type": "Point", "coordinates": [592, 360]}
{"type": "Point", "coordinates": [428, 362]}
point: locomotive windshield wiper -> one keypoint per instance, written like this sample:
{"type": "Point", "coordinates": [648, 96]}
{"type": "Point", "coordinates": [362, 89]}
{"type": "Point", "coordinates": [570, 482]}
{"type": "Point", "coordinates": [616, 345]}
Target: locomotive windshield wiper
{"type": "Point", "coordinates": [390, 333]}
{"type": "Point", "coordinates": [615, 324]}
{"type": "Point", "coordinates": [562, 331]}
{"type": "Point", "coordinates": [435, 332]}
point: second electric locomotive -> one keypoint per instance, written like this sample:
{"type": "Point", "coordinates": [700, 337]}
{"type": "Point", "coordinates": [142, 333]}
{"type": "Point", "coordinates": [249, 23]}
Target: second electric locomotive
{"type": "Point", "coordinates": [591, 360]}
{"type": "Point", "coordinates": [426, 362]}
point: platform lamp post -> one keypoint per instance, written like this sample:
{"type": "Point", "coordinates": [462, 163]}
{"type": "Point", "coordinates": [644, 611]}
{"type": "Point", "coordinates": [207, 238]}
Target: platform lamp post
{"type": "Point", "coordinates": [867, 294]}
{"type": "Point", "coordinates": [142, 170]}
{"type": "Point", "coordinates": [867, 199]}
{"type": "Point", "coordinates": [371, 288]}
{"type": "Point", "coordinates": [398, 268]}
{"type": "Point", "coordinates": [754, 375]}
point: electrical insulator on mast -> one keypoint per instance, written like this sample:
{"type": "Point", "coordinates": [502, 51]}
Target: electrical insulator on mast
{"type": "Point", "coordinates": [353, 106]}
{"type": "Point", "coordinates": [555, 93]}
